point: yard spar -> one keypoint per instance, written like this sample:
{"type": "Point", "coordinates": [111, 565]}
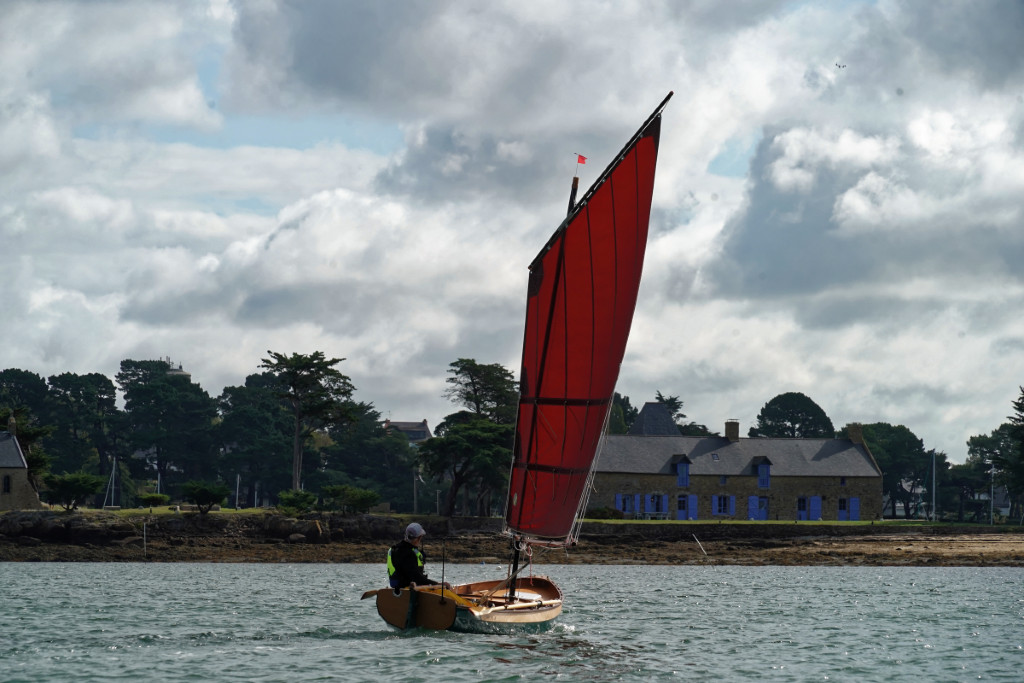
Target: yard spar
{"type": "Point", "coordinates": [581, 297]}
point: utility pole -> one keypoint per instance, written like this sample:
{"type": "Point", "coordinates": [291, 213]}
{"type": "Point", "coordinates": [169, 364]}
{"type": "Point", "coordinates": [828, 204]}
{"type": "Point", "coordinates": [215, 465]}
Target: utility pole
{"type": "Point", "coordinates": [935, 515]}
{"type": "Point", "coordinates": [992, 492]}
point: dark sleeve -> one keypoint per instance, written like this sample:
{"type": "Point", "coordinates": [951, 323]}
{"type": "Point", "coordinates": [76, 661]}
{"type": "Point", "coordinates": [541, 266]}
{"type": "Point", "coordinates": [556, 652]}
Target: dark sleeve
{"type": "Point", "coordinates": [404, 559]}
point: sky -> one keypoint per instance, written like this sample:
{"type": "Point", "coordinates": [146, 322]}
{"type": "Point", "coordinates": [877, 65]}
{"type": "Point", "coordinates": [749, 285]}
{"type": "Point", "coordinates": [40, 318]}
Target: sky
{"type": "Point", "coordinates": [837, 208]}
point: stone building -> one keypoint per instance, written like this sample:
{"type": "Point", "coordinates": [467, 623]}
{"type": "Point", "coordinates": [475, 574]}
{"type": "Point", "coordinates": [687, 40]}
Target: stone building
{"type": "Point", "coordinates": [668, 476]}
{"type": "Point", "coordinates": [16, 491]}
{"type": "Point", "coordinates": [418, 432]}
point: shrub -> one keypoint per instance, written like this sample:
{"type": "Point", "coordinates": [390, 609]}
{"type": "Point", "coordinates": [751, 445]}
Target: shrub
{"type": "Point", "coordinates": [70, 490]}
{"type": "Point", "coordinates": [350, 499]}
{"type": "Point", "coordinates": [295, 502]}
{"type": "Point", "coordinates": [204, 495]}
{"type": "Point", "coordinates": [153, 499]}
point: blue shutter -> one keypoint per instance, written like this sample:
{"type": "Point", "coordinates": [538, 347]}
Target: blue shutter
{"type": "Point", "coordinates": [854, 506]}
{"type": "Point", "coordinates": [752, 512]}
{"type": "Point", "coordinates": [664, 503]}
{"type": "Point", "coordinates": [618, 502]}
{"type": "Point", "coordinates": [682, 474]}
{"type": "Point", "coordinates": [815, 511]}
{"type": "Point", "coordinates": [732, 506]}
{"type": "Point", "coordinates": [691, 505]}
{"type": "Point", "coordinates": [636, 505]}
{"type": "Point", "coordinates": [714, 505]}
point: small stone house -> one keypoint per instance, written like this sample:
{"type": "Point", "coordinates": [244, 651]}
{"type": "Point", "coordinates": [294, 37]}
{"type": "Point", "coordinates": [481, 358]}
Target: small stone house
{"type": "Point", "coordinates": [418, 432]}
{"type": "Point", "coordinates": [16, 491]}
{"type": "Point", "coordinates": [668, 476]}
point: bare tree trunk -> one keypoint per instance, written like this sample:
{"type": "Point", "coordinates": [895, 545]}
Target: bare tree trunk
{"type": "Point", "coordinates": [297, 455]}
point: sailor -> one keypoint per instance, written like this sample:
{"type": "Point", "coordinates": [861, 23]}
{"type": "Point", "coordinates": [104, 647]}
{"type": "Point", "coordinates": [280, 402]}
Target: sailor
{"type": "Point", "coordinates": [406, 559]}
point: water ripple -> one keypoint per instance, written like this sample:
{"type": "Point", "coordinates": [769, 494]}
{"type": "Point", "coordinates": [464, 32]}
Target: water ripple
{"type": "Point", "coordinates": [305, 623]}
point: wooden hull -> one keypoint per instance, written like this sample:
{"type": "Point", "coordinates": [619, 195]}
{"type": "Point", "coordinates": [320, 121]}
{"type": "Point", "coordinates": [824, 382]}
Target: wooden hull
{"type": "Point", "coordinates": [481, 607]}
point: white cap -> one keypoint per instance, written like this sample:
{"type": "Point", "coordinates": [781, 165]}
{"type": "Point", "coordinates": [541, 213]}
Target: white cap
{"type": "Point", "coordinates": [414, 530]}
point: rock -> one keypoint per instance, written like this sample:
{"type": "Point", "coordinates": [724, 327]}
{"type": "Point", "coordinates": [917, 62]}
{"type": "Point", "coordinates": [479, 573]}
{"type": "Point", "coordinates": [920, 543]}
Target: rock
{"type": "Point", "coordinates": [29, 540]}
{"type": "Point", "coordinates": [297, 538]}
{"type": "Point", "coordinates": [130, 540]}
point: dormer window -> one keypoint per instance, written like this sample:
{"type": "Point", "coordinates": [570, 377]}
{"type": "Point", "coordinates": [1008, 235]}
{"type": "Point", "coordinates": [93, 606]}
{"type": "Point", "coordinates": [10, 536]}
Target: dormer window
{"type": "Point", "coordinates": [714, 456]}
{"type": "Point", "coordinates": [682, 474]}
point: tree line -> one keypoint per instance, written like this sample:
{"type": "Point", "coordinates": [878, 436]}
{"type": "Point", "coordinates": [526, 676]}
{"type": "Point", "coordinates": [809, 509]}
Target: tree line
{"type": "Point", "coordinates": [294, 434]}
{"type": "Point", "coordinates": [294, 424]}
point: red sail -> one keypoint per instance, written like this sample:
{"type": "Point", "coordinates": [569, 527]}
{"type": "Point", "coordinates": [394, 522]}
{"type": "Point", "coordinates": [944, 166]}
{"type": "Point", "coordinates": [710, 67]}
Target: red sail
{"type": "Point", "coordinates": [582, 294]}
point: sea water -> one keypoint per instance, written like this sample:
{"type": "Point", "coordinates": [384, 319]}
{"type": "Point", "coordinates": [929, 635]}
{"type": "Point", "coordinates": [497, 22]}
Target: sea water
{"type": "Point", "coordinates": [306, 622]}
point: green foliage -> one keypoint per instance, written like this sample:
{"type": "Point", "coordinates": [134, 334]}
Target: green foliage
{"type": "Point", "coordinates": [363, 454]}
{"type": "Point", "coordinates": [154, 499]}
{"type": "Point", "coordinates": [71, 490]}
{"type": "Point", "coordinates": [295, 502]}
{"type": "Point", "coordinates": [674, 405]}
{"type": "Point", "coordinates": [1009, 461]}
{"type": "Point", "coordinates": [349, 499]}
{"type": "Point", "coordinates": [30, 437]}
{"type": "Point", "coordinates": [903, 460]}
{"type": "Point", "coordinates": [793, 415]}
{"type": "Point", "coordinates": [255, 435]}
{"type": "Point", "coordinates": [88, 423]}
{"type": "Point", "coordinates": [623, 414]}
{"type": "Point", "coordinates": [471, 449]}
{"type": "Point", "coordinates": [317, 393]}
{"type": "Point", "coordinates": [968, 480]}
{"type": "Point", "coordinates": [170, 418]}
{"type": "Point", "coordinates": [22, 389]}
{"type": "Point", "coordinates": [489, 391]}
{"type": "Point", "coordinates": [204, 495]}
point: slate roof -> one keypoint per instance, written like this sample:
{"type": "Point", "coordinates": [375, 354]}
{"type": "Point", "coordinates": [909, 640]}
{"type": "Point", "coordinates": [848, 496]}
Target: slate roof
{"type": "Point", "coordinates": [654, 419]}
{"type": "Point", "coordinates": [10, 452]}
{"type": "Point", "coordinates": [788, 457]}
{"type": "Point", "coordinates": [416, 431]}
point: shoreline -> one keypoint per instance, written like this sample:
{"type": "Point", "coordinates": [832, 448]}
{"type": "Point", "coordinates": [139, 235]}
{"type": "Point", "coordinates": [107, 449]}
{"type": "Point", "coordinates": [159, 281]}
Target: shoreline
{"type": "Point", "coordinates": [271, 538]}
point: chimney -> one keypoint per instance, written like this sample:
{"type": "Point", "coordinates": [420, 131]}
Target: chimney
{"type": "Point", "coordinates": [856, 432]}
{"type": "Point", "coordinates": [12, 426]}
{"type": "Point", "coordinates": [732, 430]}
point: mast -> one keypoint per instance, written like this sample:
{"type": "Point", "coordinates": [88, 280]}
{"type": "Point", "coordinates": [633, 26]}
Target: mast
{"type": "Point", "coordinates": [572, 193]}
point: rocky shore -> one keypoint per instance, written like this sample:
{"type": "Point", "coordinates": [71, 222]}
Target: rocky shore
{"type": "Point", "coordinates": [92, 536]}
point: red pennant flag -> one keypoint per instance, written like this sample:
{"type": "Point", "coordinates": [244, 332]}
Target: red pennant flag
{"type": "Point", "coordinates": [580, 159]}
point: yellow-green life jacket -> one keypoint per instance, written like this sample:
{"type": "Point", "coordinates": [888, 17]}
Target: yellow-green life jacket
{"type": "Point", "coordinates": [391, 567]}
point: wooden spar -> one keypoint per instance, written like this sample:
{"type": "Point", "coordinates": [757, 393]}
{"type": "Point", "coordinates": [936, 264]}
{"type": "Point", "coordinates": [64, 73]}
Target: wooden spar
{"type": "Point", "coordinates": [511, 577]}
{"type": "Point", "coordinates": [513, 570]}
{"type": "Point", "coordinates": [572, 193]}
{"type": "Point", "coordinates": [528, 605]}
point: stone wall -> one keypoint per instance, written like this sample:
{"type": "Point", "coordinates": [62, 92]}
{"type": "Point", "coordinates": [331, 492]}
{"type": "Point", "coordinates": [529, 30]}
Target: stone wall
{"type": "Point", "coordinates": [21, 495]}
{"type": "Point", "coordinates": [782, 493]}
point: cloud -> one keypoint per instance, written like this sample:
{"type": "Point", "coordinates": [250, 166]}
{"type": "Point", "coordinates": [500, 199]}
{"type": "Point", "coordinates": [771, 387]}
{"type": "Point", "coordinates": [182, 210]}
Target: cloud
{"type": "Point", "coordinates": [130, 61]}
{"type": "Point", "coordinates": [848, 231]}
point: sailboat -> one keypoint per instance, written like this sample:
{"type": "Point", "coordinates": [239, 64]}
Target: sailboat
{"type": "Point", "coordinates": [581, 296]}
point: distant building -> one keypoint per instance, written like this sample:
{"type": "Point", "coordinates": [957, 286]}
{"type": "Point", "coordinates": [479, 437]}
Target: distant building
{"type": "Point", "coordinates": [658, 474]}
{"type": "Point", "coordinates": [654, 419]}
{"type": "Point", "coordinates": [16, 491]}
{"type": "Point", "coordinates": [417, 432]}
